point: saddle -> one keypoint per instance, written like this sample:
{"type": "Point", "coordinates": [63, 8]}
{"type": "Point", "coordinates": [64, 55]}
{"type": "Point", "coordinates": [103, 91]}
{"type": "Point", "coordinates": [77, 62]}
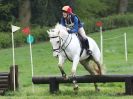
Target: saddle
{"type": "Point", "coordinates": [82, 43]}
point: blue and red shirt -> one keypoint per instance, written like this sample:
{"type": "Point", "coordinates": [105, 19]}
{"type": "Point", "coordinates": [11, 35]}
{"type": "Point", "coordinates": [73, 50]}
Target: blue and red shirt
{"type": "Point", "coordinates": [72, 22]}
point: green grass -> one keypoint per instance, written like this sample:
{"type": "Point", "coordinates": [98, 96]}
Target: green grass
{"type": "Point", "coordinates": [46, 64]}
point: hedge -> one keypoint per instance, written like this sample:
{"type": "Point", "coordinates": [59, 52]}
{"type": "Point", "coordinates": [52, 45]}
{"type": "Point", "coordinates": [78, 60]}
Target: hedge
{"type": "Point", "coordinates": [20, 39]}
{"type": "Point", "coordinates": [40, 33]}
{"type": "Point", "coordinates": [110, 22]}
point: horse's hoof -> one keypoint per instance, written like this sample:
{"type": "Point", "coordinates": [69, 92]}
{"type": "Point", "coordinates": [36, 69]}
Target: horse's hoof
{"type": "Point", "coordinates": [76, 88]}
{"type": "Point", "coordinates": [97, 90]}
{"type": "Point", "coordinates": [65, 77]}
{"type": "Point", "coordinates": [75, 92]}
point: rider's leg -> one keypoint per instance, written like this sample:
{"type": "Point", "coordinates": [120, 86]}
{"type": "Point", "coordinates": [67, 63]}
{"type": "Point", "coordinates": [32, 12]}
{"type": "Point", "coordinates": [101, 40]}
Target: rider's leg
{"type": "Point", "coordinates": [82, 33]}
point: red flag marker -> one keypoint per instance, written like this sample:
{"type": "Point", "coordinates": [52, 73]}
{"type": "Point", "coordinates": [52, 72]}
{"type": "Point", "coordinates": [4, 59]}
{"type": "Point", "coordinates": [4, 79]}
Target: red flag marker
{"type": "Point", "coordinates": [99, 24]}
{"type": "Point", "coordinates": [26, 31]}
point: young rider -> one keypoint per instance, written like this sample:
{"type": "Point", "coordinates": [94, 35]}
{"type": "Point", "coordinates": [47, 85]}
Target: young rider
{"type": "Point", "coordinates": [73, 24]}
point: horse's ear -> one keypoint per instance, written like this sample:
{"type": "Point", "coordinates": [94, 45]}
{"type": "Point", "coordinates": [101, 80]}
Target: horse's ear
{"type": "Point", "coordinates": [48, 31]}
{"type": "Point", "coordinates": [56, 24]}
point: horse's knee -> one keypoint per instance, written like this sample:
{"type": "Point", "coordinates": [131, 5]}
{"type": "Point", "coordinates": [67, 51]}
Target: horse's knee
{"type": "Point", "coordinates": [73, 72]}
{"type": "Point", "coordinates": [59, 65]}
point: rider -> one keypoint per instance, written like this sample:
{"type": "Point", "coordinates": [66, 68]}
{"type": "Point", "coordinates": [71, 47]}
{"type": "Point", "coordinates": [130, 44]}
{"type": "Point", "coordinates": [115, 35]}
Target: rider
{"type": "Point", "coordinates": [73, 24]}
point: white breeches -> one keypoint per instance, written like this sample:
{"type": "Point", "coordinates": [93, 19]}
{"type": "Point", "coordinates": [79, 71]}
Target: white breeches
{"type": "Point", "coordinates": [82, 32]}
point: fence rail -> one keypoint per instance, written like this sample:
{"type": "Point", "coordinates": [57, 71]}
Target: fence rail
{"type": "Point", "coordinates": [54, 81]}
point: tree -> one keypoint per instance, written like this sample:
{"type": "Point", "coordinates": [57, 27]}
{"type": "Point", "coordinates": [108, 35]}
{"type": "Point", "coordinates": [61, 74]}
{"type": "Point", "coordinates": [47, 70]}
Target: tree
{"type": "Point", "coordinates": [47, 12]}
{"type": "Point", "coordinates": [8, 12]}
{"type": "Point", "coordinates": [122, 6]}
{"type": "Point", "coordinates": [24, 12]}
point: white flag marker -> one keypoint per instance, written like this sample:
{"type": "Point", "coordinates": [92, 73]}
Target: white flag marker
{"type": "Point", "coordinates": [14, 29]}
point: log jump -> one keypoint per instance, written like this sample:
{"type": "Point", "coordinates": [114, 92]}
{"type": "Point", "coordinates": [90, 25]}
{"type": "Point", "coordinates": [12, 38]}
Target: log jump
{"type": "Point", "coordinates": [54, 81]}
{"type": "Point", "coordinates": [7, 80]}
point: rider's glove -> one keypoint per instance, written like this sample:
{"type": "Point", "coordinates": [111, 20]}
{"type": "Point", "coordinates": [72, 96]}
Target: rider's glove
{"type": "Point", "coordinates": [69, 31]}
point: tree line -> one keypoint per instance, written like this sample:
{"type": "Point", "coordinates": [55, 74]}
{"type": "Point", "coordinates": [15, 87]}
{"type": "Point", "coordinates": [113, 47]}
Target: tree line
{"type": "Point", "coordinates": [48, 12]}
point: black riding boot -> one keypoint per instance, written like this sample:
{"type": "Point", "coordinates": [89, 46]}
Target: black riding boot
{"type": "Point", "coordinates": [89, 52]}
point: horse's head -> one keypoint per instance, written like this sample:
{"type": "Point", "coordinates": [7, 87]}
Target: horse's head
{"type": "Point", "coordinates": [55, 36]}
{"type": "Point", "coordinates": [54, 40]}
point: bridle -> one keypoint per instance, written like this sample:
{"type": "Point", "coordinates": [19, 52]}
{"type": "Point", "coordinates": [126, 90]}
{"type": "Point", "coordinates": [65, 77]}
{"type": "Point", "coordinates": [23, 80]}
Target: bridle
{"type": "Point", "coordinates": [56, 49]}
{"type": "Point", "coordinates": [61, 46]}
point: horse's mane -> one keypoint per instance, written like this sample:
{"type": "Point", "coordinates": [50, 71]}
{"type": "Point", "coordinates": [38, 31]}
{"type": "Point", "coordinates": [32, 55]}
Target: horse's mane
{"type": "Point", "coordinates": [61, 28]}
{"type": "Point", "coordinates": [58, 30]}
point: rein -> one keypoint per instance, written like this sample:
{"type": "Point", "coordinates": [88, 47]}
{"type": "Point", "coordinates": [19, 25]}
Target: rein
{"type": "Point", "coordinates": [61, 47]}
{"type": "Point", "coordinates": [66, 47]}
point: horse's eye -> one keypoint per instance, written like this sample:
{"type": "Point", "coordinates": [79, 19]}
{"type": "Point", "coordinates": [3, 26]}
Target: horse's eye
{"type": "Point", "coordinates": [57, 41]}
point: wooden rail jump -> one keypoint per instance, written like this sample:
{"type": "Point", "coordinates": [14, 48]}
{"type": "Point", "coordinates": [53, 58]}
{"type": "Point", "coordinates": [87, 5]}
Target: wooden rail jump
{"type": "Point", "coordinates": [54, 81]}
{"type": "Point", "coordinates": [7, 80]}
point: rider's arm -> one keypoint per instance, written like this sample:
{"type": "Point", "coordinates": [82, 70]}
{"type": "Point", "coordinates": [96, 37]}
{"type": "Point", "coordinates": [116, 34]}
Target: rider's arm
{"type": "Point", "coordinates": [75, 27]}
{"type": "Point", "coordinates": [62, 22]}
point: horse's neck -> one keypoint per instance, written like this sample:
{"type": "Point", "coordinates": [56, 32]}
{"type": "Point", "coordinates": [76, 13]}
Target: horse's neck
{"type": "Point", "coordinates": [69, 39]}
{"type": "Point", "coordinates": [65, 38]}
{"type": "Point", "coordinates": [63, 34]}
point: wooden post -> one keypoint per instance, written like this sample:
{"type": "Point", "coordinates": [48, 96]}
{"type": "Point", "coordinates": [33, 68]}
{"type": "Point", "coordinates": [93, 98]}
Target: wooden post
{"type": "Point", "coordinates": [129, 86]}
{"type": "Point", "coordinates": [16, 77]}
{"type": "Point", "coordinates": [11, 78]}
{"type": "Point", "coordinates": [10, 81]}
{"type": "Point", "coordinates": [54, 85]}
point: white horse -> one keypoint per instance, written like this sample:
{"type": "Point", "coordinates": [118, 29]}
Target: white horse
{"type": "Point", "coordinates": [67, 46]}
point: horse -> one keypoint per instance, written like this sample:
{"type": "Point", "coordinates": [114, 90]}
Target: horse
{"type": "Point", "coordinates": [67, 46]}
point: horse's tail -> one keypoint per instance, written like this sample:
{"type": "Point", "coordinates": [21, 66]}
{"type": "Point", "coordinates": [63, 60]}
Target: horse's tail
{"type": "Point", "coordinates": [102, 69]}
{"type": "Point", "coordinates": [97, 69]}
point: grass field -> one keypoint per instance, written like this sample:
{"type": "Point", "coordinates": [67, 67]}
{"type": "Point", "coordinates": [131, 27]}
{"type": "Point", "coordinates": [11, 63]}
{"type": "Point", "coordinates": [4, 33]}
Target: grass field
{"type": "Point", "coordinates": [46, 64]}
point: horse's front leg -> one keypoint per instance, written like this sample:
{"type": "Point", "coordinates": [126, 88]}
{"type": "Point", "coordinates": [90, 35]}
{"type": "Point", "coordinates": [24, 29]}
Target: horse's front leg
{"type": "Point", "coordinates": [74, 67]}
{"type": "Point", "coordinates": [60, 65]}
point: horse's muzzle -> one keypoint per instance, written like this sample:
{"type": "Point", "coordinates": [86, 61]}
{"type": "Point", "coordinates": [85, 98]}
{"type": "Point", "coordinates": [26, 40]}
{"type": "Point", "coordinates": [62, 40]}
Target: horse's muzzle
{"type": "Point", "coordinates": [55, 54]}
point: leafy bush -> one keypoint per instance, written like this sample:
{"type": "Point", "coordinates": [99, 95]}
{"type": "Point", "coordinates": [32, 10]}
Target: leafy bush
{"type": "Point", "coordinates": [110, 22]}
{"type": "Point", "coordinates": [19, 39]}
{"type": "Point", "coordinates": [5, 40]}
{"type": "Point", "coordinates": [40, 33]}
{"type": "Point", "coordinates": [90, 8]}
{"type": "Point", "coordinates": [117, 21]}
{"type": "Point", "coordinates": [6, 14]}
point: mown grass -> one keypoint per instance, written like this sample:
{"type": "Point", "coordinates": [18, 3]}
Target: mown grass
{"type": "Point", "coordinates": [46, 64]}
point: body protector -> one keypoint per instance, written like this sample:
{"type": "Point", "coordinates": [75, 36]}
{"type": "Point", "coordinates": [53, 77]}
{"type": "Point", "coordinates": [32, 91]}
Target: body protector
{"type": "Point", "coordinates": [72, 22]}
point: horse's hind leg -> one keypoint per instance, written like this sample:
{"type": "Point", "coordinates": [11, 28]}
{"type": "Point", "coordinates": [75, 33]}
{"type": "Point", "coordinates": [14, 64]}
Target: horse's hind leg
{"type": "Point", "coordinates": [98, 67]}
{"type": "Point", "coordinates": [91, 70]}
{"type": "Point", "coordinates": [98, 71]}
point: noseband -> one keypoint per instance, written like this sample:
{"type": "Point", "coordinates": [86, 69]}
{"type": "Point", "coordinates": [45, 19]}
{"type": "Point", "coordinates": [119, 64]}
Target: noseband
{"type": "Point", "coordinates": [56, 50]}
{"type": "Point", "coordinates": [61, 46]}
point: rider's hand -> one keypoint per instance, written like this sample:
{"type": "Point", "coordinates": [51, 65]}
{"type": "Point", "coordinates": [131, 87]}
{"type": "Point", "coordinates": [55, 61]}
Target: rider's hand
{"type": "Point", "coordinates": [68, 29]}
